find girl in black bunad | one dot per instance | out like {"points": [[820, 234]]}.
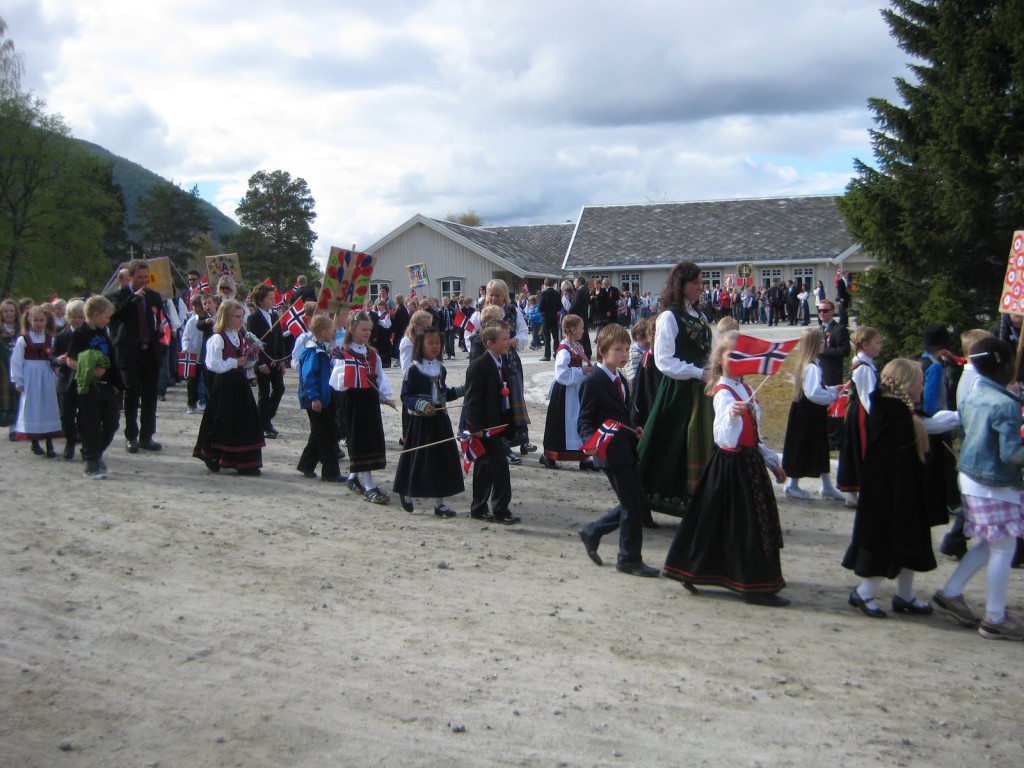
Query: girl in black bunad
{"points": [[731, 536], [231, 433], [864, 375], [435, 471], [561, 435], [359, 374], [805, 449]]}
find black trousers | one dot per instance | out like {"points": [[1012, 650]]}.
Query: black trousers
{"points": [[491, 479], [627, 516], [585, 341], [192, 386], [98, 419], [271, 390], [67, 405], [140, 395], [550, 332], [321, 447]]}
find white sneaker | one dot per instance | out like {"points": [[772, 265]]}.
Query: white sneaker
{"points": [[796, 493], [832, 493], [201, 407], [190, 410], [851, 500]]}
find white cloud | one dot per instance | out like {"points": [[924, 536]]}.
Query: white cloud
{"points": [[521, 111]]}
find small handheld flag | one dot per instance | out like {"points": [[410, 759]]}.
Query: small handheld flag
{"points": [[188, 366], [602, 438], [753, 355], [473, 446], [293, 320]]}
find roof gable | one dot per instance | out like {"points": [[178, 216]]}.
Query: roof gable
{"points": [[783, 228], [537, 249]]}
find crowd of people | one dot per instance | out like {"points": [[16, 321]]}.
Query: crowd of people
{"points": [[654, 404]]}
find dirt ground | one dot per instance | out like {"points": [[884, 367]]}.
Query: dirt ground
{"points": [[168, 617]]}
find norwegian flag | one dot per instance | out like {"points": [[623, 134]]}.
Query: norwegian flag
{"points": [[602, 438], [473, 446], [188, 365], [203, 287], [460, 320], [357, 372], [279, 300], [753, 355], [837, 410], [839, 275], [293, 320]]}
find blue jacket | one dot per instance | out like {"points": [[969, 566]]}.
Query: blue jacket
{"points": [[992, 452], [314, 374]]}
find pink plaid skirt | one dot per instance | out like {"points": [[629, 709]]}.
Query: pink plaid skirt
{"points": [[992, 519]]}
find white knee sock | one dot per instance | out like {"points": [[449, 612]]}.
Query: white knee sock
{"points": [[869, 588], [794, 482], [439, 501], [905, 584], [366, 478], [826, 482], [998, 576]]}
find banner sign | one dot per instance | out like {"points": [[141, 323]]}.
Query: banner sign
{"points": [[224, 265], [346, 279], [1012, 300], [159, 275], [418, 276]]}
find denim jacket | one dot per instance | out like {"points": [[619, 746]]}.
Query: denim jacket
{"points": [[992, 452]]}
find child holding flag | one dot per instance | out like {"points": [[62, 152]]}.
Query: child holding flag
{"points": [[358, 373], [604, 425], [731, 535]]}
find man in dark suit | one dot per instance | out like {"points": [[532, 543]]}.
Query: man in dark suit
{"points": [[263, 324], [837, 349], [137, 328], [304, 291], [792, 300], [776, 302], [485, 406], [581, 308], [604, 395], [549, 307], [843, 298]]}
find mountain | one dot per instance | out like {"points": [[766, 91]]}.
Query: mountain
{"points": [[135, 181]]}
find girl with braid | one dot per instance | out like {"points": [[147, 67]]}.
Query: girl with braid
{"points": [[891, 530]]}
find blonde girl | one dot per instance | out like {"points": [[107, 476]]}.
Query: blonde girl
{"points": [[891, 530], [34, 379], [357, 371], [867, 343], [805, 449], [731, 536]]}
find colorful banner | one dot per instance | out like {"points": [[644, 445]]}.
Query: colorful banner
{"points": [[418, 276], [1012, 300], [346, 279], [224, 264]]}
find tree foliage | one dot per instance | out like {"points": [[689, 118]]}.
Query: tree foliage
{"points": [[939, 207], [468, 218], [170, 221], [59, 207], [276, 239], [11, 64]]}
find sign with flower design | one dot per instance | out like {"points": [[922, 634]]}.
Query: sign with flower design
{"points": [[1012, 300], [346, 280]]}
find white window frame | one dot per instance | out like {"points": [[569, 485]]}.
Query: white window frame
{"points": [[450, 292], [712, 276], [804, 275], [632, 282], [767, 274], [599, 277], [375, 287]]}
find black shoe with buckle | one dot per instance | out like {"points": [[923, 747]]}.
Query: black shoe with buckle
{"points": [[150, 444], [444, 511], [132, 446], [486, 517], [406, 503], [865, 606]]}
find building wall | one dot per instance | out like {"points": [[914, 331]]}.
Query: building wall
{"points": [[444, 259]]}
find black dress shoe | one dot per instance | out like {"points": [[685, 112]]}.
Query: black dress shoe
{"points": [[771, 601], [37, 449], [864, 605], [311, 474], [639, 569], [444, 511], [213, 465], [588, 466], [406, 503], [270, 435], [150, 445], [508, 519], [251, 472], [651, 524], [132, 446], [591, 543], [899, 605], [548, 463], [69, 451], [269, 430], [487, 517], [526, 448]]}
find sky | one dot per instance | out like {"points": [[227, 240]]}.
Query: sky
{"points": [[522, 112]]}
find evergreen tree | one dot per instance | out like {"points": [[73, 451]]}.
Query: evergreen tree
{"points": [[170, 221], [276, 239], [939, 207]]}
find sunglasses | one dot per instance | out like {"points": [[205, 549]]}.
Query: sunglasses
{"points": [[825, 311]]}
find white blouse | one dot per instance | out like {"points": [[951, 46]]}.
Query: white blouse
{"points": [[727, 427], [215, 360], [814, 390], [380, 380]]}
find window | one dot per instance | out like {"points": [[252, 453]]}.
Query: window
{"points": [[712, 277], [375, 291], [598, 278], [451, 287], [804, 275], [769, 274], [630, 282]]}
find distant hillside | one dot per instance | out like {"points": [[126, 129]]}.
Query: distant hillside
{"points": [[135, 181]]}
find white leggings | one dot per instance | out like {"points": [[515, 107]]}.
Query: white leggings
{"points": [[999, 555], [868, 588]]}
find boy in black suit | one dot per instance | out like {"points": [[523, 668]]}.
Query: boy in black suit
{"points": [[263, 324], [604, 396], [487, 406]]}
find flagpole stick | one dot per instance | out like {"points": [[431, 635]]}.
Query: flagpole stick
{"points": [[438, 442]]}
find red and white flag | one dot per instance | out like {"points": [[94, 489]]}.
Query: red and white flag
{"points": [[188, 365], [753, 355], [293, 320], [602, 438], [473, 446]]}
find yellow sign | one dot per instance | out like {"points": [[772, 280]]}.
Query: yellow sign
{"points": [[159, 275]]}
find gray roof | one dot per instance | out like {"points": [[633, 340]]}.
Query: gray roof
{"points": [[537, 249], [778, 228]]}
